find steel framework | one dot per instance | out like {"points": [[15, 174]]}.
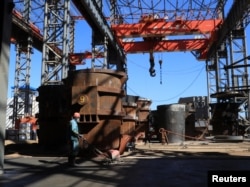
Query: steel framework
{"points": [[214, 31], [227, 65], [22, 93], [56, 41]]}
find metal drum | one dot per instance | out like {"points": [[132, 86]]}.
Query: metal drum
{"points": [[172, 119]]}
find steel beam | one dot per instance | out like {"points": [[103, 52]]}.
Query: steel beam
{"points": [[56, 42], [92, 13], [161, 27], [22, 30], [234, 17], [165, 45]]}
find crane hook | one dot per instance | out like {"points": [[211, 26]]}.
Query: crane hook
{"points": [[152, 64]]}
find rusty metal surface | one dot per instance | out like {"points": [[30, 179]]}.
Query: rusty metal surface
{"points": [[97, 96], [128, 127], [106, 114], [130, 110], [124, 141], [224, 119], [97, 77], [97, 92]]}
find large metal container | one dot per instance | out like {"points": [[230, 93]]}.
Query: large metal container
{"points": [[130, 110], [137, 110], [172, 119], [143, 109], [97, 92], [129, 107], [96, 95]]}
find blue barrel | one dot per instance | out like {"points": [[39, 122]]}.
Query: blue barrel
{"points": [[172, 119]]}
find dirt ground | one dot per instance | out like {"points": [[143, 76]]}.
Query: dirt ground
{"points": [[195, 148], [152, 164]]}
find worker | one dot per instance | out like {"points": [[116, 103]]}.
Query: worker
{"points": [[74, 139]]}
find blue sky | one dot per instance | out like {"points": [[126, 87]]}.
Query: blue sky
{"points": [[182, 74]]}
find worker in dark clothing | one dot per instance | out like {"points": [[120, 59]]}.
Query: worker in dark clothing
{"points": [[74, 138]]}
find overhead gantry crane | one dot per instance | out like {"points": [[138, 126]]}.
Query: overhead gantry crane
{"points": [[154, 31], [218, 39]]}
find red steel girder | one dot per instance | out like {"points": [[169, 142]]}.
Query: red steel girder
{"points": [[161, 27], [78, 58], [165, 45]]}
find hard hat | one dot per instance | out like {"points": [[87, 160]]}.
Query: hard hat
{"points": [[76, 115]]}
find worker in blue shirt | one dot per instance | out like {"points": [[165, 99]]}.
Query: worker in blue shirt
{"points": [[74, 138]]}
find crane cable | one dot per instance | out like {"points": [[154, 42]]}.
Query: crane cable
{"points": [[160, 62]]}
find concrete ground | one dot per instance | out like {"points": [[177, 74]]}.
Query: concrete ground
{"points": [[152, 164]]}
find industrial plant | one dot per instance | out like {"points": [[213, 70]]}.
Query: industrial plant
{"points": [[214, 32]]}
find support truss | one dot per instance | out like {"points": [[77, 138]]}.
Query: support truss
{"points": [[56, 41]]}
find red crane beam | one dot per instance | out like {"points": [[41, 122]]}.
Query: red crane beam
{"points": [[153, 33], [78, 58], [161, 27], [165, 45]]}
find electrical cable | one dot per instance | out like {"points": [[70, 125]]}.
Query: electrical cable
{"points": [[183, 91]]}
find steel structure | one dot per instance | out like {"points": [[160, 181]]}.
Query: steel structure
{"points": [[228, 57], [201, 27], [102, 35], [22, 93], [227, 62], [56, 41], [214, 31], [153, 30]]}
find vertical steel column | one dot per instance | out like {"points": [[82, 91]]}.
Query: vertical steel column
{"points": [[6, 7], [238, 67], [216, 75], [218, 79], [27, 96], [105, 60], [16, 103], [66, 39], [72, 36], [22, 93], [27, 10], [56, 41], [222, 75], [208, 89], [211, 65], [238, 54], [113, 14]]}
